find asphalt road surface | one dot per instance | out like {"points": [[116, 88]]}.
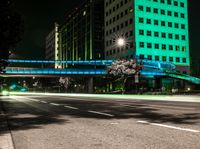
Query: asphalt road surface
{"points": [[56, 122]]}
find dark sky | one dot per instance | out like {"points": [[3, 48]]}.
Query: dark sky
{"points": [[39, 16]]}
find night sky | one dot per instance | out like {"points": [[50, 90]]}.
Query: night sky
{"points": [[40, 15]]}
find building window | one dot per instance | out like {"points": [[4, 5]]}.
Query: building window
{"points": [[169, 24], [148, 9], [141, 32], [183, 48], [170, 36], [183, 37], [141, 20], [148, 21], [156, 46], [141, 44], [140, 7], [169, 13], [162, 1], [177, 48], [162, 23], [163, 46], [182, 15], [182, 4], [162, 12], [170, 47], [177, 59], [169, 2], [155, 22], [141, 56], [157, 58], [156, 34], [126, 23], [163, 35], [175, 3], [122, 14], [131, 21], [182, 26], [149, 45], [149, 57], [164, 58], [177, 36], [131, 33], [171, 59], [184, 60], [148, 33], [176, 14], [176, 25], [155, 10]]}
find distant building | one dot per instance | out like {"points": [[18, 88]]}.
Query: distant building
{"points": [[153, 29], [81, 36], [51, 49]]}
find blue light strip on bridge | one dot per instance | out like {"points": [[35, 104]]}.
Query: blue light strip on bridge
{"points": [[87, 62], [57, 71]]}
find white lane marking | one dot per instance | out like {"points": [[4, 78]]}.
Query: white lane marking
{"points": [[69, 107], [101, 113], [55, 104], [43, 102], [169, 126]]}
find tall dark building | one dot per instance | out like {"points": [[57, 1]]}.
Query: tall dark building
{"points": [[81, 37]]}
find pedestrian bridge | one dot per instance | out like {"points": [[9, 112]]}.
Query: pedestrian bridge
{"points": [[99, 68]]}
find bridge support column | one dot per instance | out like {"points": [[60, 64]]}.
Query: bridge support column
{"points": [[90, 85], [157, 83]]}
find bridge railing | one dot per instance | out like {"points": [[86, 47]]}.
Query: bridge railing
{"points": [[80, 62]]}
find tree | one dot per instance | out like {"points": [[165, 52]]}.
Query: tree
{"points": [[124, 69], [11, 29]]}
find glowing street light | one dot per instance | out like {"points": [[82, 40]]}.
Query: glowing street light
{"points": [[121, 42]]}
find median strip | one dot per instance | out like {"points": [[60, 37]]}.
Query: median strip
{"points": [[169, 126]]}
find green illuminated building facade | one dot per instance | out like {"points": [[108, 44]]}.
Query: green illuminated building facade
{"points": [[81, 36], [153, 29]]}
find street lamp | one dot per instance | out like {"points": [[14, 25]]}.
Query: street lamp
{"points": [[121, 42]]}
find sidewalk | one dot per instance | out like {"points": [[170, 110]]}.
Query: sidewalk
{"points": [[5, 135]]}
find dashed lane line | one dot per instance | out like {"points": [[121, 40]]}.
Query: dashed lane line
{"points": [[43, 102], [54, 104], [169, 126], [70, 107], [101, 113]]}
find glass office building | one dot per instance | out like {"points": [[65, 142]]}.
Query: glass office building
{"points": [[81, 36], [153, 29]]}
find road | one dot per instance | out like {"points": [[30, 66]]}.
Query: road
{"points": [[58, 122]]}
